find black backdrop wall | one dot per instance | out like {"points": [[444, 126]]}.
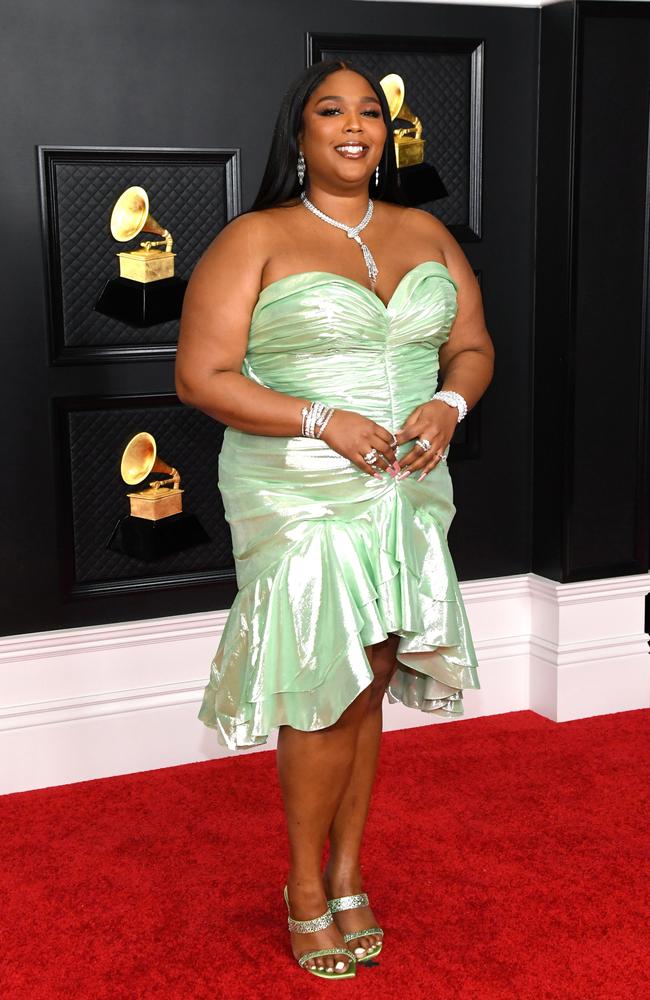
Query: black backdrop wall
{"points": [[210, 75]]}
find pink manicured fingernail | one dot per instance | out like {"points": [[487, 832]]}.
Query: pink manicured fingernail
{"points": [[397, 466], [377, 475], [421, 477], [403, 475]]}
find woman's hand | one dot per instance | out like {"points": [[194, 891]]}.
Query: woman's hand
{"points": [[435, 421], [353, 436]]}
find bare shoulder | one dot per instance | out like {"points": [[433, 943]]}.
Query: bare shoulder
{"points": [[225, 283], [422, 225], [426, 230], [425, 235], [241, 243]]}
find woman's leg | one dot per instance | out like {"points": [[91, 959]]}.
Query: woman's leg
{"points": [[314, 769], [343, 871]]}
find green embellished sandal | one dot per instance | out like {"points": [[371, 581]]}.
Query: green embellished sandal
{"points": [[319, 924], [352, 903]]}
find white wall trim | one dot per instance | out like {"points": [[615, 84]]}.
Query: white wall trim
{"points": [[123, 634], [90, 702], [91, 707]]}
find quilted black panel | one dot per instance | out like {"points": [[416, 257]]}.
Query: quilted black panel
{"points": [[437, 90], [191, 195], [185, 438]]}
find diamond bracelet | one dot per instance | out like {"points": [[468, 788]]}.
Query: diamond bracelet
{"points": [[452, 399], [318, 416]]}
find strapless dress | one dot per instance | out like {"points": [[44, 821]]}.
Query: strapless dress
{"points": [[329, 559]]}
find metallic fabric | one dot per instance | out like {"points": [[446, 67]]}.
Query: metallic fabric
{"points": [[328, 558]]}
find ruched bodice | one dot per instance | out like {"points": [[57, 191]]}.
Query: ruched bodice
{"points": [[329, 559], [325, 336]]}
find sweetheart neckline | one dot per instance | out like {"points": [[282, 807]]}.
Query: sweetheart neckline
{"points": [[342, 277]]}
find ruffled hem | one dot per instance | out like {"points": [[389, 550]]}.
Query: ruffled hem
{"points": [[292, 650]]}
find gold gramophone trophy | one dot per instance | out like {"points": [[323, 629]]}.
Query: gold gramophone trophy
{"points": [[420, 181], [158, 500], [147, 291], [129, 218], [157, 525], [409, 144]]}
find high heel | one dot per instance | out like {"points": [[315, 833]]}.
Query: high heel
{"points": [[319, 924], [352, 903]]}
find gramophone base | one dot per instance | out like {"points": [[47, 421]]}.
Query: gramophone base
{"points": [[421, 183], [142, 303], [150, 540]]}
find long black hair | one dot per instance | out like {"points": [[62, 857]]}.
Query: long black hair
{"points": [[280, 180]]}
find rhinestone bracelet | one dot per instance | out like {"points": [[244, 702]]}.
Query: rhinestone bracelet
{"points": [[315, 416], [326, 419], [452, 399], [318, 418]]}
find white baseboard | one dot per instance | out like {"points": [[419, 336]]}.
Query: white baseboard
{"points": [[85, 703]]}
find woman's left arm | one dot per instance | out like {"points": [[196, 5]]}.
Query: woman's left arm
{"points": [[466, 362], [467, 357]]}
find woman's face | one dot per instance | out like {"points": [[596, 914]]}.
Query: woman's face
{"points": [[343, 111]]}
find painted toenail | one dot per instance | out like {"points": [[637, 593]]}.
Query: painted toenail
{"points": [[340, 965], [359, 951]]}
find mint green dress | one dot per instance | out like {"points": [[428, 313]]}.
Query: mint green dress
{"points": [[328, 558]]}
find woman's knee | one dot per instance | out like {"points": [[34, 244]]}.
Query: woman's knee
{"points": [[383, 663]]}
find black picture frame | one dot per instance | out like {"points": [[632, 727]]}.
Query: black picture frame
{"points": [[89, 434], [457, 67], [78, 186]]}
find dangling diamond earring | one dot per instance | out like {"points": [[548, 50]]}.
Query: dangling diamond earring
{"points": [[301, 167], [377, 176]]}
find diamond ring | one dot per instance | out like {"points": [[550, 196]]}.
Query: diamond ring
{"points": [[424, 443], [371, 456]]}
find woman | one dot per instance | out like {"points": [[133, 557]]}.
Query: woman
{"points": [[321, 354]]}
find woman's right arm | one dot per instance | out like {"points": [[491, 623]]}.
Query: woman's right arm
{"points": [[217, 308]]}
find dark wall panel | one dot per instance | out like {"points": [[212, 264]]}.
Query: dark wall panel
{"points": [[210, 75], [552, 287], [591, 361], [608, 476]]}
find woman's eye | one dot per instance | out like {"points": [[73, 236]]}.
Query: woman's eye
{"points": [[333, 110]]}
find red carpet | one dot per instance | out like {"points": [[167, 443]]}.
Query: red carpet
{"points": [[505, 857]]}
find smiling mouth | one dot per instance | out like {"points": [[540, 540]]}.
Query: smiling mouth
{"points": [[352, 150]]}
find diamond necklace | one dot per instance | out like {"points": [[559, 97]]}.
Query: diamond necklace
{"points": [[352, 231]]}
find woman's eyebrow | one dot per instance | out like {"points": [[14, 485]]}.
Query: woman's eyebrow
{"points": [[337, 97]]}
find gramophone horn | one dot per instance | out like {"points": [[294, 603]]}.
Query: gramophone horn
{"points": [[131, 216], [393, 87], [139, 459]]}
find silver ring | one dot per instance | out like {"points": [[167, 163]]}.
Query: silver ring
{"points": [[371, 456], [424, 443], [440, 455], [393, 443]]}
